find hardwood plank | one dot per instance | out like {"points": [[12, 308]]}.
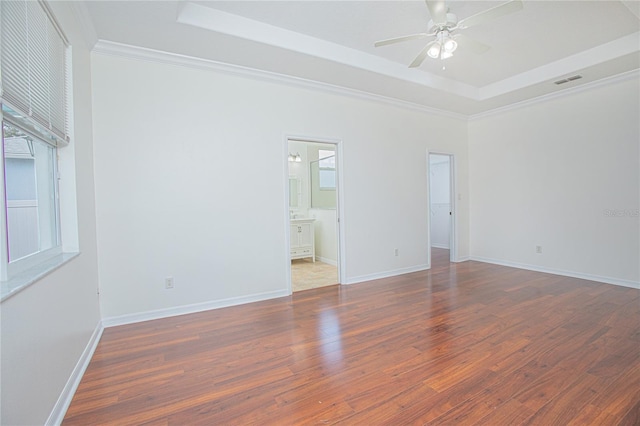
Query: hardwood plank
{"points": [[465, 343], [424, 409], [592, 415], [623, 394], [511, 412], [632, 418], [481, 358]]}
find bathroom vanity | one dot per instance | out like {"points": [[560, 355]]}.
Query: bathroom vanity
{"points": [[302, 239]]}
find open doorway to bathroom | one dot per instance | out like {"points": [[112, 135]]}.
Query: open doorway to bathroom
{"points": [[313, 214], [441, 208]]}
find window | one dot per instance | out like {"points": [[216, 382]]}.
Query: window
{"points": [[30, 192], [34, 59], [327, 169]]}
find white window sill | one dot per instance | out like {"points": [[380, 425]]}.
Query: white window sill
{"points": [[24, 279]]}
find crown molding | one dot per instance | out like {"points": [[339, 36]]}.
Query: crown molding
{"points": [[151, 55], [628, 75], [141, 53]]}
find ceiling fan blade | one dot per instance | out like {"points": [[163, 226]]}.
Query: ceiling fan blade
{"points": [[399, 39], [421, 56], [437, 10], [490, 14], [471, 44]]}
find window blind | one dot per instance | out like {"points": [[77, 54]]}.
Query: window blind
{"points": [[34, 67]]}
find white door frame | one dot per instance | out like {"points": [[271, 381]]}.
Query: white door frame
{"points": [[340, 225], [453, 237]]}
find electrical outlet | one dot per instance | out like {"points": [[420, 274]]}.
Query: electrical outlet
{"points": [[539, 249], [395, 252], [168, 282]]}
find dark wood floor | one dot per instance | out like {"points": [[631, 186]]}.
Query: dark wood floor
{"points": [[467, 343]]}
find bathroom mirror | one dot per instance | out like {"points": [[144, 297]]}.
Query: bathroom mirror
{"points": [[294, 188]]}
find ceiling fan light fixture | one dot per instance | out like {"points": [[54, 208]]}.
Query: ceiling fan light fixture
{"points": [[450, 46], [434, 50], [443, 23]]}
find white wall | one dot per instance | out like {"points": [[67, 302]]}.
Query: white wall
{"points": [[47, 326], [170, 199], [547, 174], [301, 171], [326, 234]]}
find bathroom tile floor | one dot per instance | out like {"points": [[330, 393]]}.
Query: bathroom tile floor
{"points": [[305, 274]]}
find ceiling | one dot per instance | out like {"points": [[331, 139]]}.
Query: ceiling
{"points": [[331, 42]]}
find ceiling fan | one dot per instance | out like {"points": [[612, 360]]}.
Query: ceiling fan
{"points": [[444, 24]]}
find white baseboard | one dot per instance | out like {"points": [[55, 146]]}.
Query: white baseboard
{"points": [[440, 246], [190, 309], [64, 400], [386, 274], [598, 278], [328, 261]]}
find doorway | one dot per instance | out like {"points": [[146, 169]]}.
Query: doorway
{"points": [[313, 213], [441, 208]]}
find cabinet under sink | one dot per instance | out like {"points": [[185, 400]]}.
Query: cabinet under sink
{"points": [[302, 239]]}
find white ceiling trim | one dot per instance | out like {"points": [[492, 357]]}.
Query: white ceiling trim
{"points": [[238, 26], [633, 74], [140, 53], [249, 29], [633, 6], [564, 67]]}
